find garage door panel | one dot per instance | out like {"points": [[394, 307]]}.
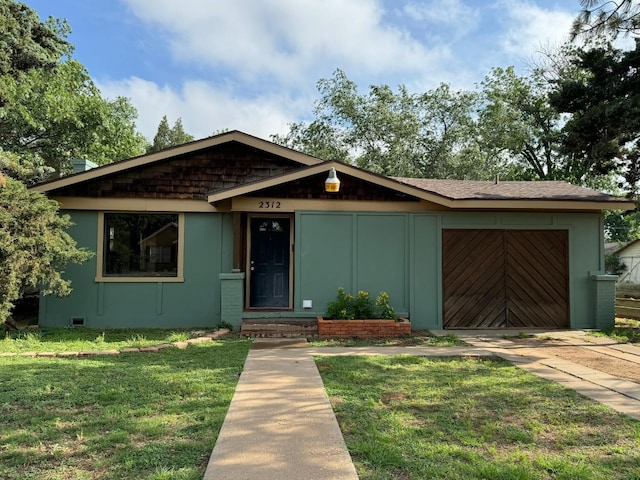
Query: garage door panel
{"points": [[505, 278], [545, 284], [473, 279], [486, 301], [478, 276], [537, 278], [528, 252], [527, 308], [538, 252], [465, 263]]}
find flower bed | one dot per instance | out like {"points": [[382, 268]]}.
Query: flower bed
{"points": [[363, 328]]}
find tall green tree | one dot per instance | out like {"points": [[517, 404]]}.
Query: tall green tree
{"points": [[394, 133], [34, 244], [602, 103], [167, 137], [26, 43], [515, 121], [59, 115], [50, 112]]}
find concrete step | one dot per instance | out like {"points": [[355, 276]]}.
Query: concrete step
{"points": [[279, 328]]}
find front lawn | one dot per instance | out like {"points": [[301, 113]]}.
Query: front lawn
{"points": [[626, 330], [415, 418], [128, 416], [84, 339]]}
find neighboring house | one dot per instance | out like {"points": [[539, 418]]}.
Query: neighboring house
{"points": [[610, 248], [233, 227], [629, 254]]}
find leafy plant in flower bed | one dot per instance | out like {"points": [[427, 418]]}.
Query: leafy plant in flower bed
{"points": [[360, 307]]}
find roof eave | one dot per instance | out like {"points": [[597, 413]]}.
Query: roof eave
{"points": [[243, 138], [326, 166], [543, 204]]}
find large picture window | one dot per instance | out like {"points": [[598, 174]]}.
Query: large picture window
{"points": [[140, 245]]}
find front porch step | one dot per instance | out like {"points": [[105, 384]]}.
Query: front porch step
{"points": [[279, 328]]}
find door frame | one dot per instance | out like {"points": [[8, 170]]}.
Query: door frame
{"points": [[247, 289]]}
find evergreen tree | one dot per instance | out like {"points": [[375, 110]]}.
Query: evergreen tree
{"points": [[34, 244], [167, 137], [607, 17]]}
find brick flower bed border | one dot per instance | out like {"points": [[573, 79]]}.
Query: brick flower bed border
{"points": [[156, 348], [363, 328]]}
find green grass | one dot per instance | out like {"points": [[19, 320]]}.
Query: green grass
{"points": [[129, 416], [417, 338], [81, 339], [415, 418], [626, 330]]}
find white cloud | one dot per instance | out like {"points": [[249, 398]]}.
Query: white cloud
{"points": [[203, 108], [253, 65], [531, 27], [288, 41], [454, 14]]}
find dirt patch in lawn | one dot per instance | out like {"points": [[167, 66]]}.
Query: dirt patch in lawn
{"points": [[580, 355]]}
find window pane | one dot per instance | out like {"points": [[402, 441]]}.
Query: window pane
{"points": [[140, 245]]}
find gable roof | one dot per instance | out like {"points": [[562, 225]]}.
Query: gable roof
{"points": [[191, 147], [625, 246], [457, 194], [454, 194]]}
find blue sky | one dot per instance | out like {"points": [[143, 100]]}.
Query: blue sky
{"points": [[253, 65]]}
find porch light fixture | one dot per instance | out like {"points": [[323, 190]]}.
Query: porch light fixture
{"points": [[332, 184]]}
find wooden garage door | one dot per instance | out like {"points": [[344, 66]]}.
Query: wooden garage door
{"points": [[505, 279]]}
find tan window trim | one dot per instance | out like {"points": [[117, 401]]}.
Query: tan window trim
{"points": [[100, 278]]}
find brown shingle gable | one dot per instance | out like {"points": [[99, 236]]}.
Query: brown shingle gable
{"points": [[509, 190]]}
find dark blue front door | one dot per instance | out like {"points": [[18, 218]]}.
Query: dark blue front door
{"points": [[269, 262]]}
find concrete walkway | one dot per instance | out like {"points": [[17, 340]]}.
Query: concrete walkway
{"points": [[280, 424]]}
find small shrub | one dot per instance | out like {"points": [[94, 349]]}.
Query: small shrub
{"points": [[348, 307], [341, 307], [226, 325], [362, 306], [386, 311]]}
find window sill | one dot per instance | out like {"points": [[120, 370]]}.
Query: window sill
{"points": [[139, 279]]}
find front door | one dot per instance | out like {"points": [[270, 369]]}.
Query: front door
{"points": [[269, 262]]}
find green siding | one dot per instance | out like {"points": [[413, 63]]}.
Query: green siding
{"points": [[396, 252], [382, 257], [585, 256], [357, 251], [192, 303], [425, 273], [323, 258], [401, 253]]}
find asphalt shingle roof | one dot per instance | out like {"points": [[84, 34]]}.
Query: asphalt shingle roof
{"points": [[509, 190]]}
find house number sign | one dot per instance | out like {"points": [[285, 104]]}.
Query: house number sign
{"points": [[257, 204], [268, 204]]}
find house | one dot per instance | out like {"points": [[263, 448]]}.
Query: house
{"points": [[629, 254], [233, 228]]}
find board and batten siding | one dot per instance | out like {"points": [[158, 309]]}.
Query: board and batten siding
{"points": [[398, 252], [195, 302], [353, 250], [401, 253]]}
